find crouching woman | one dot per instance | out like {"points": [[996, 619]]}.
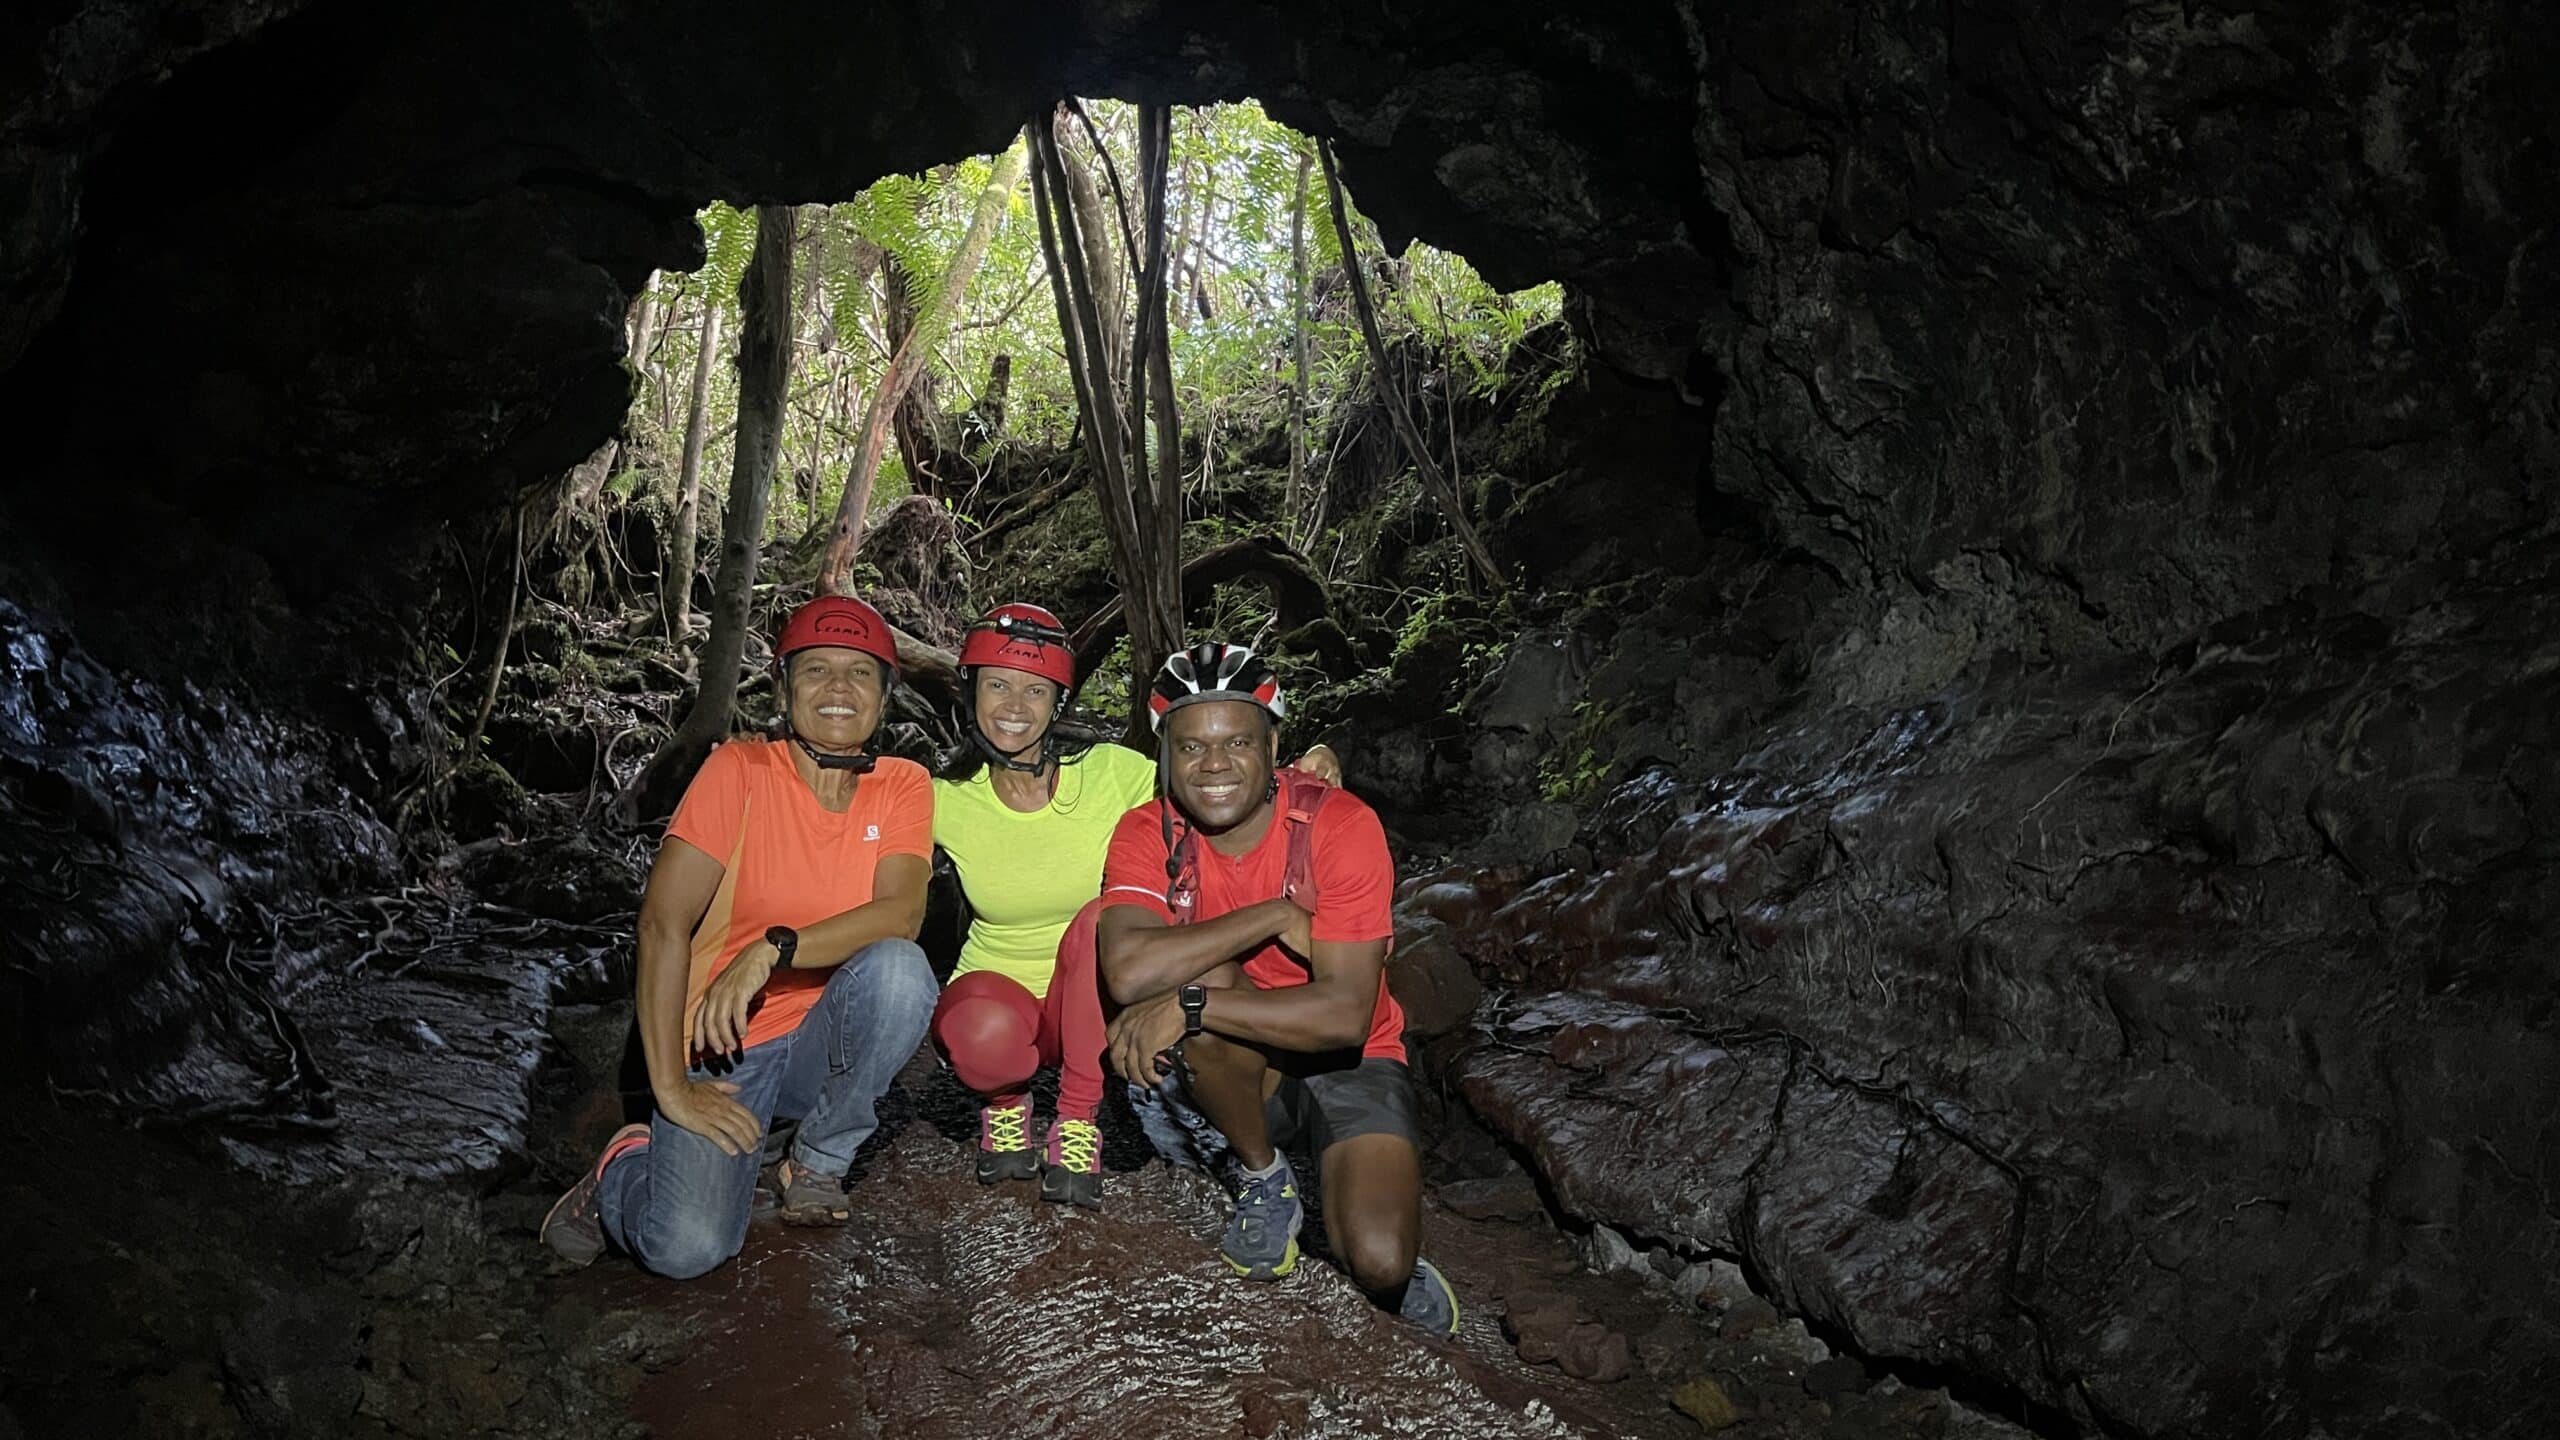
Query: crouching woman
{"points": [[779, 974]]}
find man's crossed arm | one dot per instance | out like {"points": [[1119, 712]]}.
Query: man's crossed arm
{"points": [[1145, 962]]}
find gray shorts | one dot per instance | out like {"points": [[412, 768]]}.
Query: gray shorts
{"points": [[1318, 1110]]}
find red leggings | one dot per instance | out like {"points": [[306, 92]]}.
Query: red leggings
{"points": [[995, 1035]]}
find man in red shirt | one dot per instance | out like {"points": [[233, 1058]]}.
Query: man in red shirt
{"points": [[1245, 931]]}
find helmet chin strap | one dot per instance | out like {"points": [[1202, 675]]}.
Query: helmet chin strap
{"points": [[859, 762], [998, 757], [978, 733]]}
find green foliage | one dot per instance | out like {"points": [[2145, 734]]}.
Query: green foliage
{"points": [[1574, 771], [1236, 184], [729, 241], [1106, 691]]}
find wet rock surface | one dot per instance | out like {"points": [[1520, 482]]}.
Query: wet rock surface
{"points": [[961, 1310], [1982, 1030], [413, 1300], [148, 834]]}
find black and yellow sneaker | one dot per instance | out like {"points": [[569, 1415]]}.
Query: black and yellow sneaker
{"points": [[1004, 1144], [1071, 1168], [1429, 1304], [1262, 1236]]}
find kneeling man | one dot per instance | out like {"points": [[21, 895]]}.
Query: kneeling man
{"points": [[1245, 928]]}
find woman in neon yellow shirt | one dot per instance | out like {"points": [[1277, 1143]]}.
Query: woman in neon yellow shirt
{"points": [[1026, 815]]}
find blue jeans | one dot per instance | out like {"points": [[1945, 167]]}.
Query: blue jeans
{"points": [[680, 1206]]}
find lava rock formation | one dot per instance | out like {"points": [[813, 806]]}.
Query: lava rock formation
{"points": [[2074, 588]]}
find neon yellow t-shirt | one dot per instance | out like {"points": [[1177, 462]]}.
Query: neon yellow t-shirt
{"points": [[1027, 874]]}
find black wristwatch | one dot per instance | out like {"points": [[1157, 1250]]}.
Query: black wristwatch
{"points": [[1195, 999], [784, 940]]}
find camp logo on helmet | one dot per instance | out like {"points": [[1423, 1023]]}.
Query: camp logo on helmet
{"points": [[840, 622]]}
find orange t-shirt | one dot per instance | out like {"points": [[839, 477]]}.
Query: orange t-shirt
{"points": [[1355, 891], [788, 860]]}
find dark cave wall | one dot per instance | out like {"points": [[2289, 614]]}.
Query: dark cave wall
{"points": [[2175, 319], [2078, 611]]}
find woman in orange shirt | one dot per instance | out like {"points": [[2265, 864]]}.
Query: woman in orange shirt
{"points": [[779, 973]]}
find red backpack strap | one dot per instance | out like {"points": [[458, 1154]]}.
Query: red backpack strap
{"points": [[1302, 796], [1182, 874]]}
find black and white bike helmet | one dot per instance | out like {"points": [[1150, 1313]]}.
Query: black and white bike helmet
{"points": [[1214, 671]]}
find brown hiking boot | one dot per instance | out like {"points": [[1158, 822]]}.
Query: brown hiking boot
{"points": [[809, 1198]]}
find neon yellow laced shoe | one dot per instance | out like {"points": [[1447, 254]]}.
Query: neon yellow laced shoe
{"points": [[1004, 1144], [1071, 1172]]}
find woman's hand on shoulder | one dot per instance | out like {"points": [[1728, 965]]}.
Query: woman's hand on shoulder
{"points": [[1322, 763]]}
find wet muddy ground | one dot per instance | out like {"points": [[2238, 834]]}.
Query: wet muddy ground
{"points": [[175, 1291], [367, 1266], [951, 1309]]}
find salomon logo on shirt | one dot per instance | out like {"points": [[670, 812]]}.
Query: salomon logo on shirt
{"points": [[870, 832]]}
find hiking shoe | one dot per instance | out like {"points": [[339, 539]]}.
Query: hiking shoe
{"points": [[1262, 1237], [809, 1198], [1004, 1144], [1071, 1168], [1429, 1304], [575, 1227]]}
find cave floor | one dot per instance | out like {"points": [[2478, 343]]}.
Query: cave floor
{"points": [[183, 1295], [947, 1308]]}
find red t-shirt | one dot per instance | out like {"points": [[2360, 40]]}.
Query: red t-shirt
{"points": [[788, 860], [1355, 891]]}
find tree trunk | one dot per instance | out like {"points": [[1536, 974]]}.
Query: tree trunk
{"points": [[923, 433], [498, 647], [992, 400], [813, 309], [764, 373], [905, 362], [1095, 225], [675, 572], [1155, 298], [1188, 277], [1297, 492], [1141, 513], [1391, 394], [644, 325]]}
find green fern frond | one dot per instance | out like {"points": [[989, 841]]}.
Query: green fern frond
{"points": [[728, 241]]}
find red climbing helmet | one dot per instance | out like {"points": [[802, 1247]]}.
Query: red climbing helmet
{"points": [[839, 620], [1021, 637], [1213, 671]]}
